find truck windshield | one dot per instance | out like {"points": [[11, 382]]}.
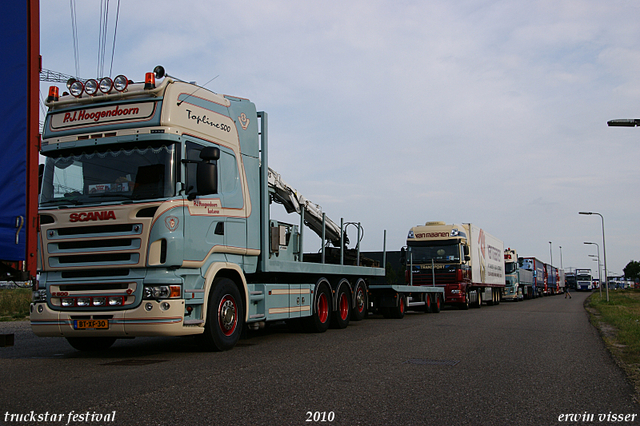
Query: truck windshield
{"points": [[509, 267], [137, 172], [437, 253]]}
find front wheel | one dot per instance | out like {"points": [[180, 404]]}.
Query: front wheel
{"points": [[225, 316], [91, 344]]}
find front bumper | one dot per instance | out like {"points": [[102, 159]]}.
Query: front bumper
{"points": [[135, 322]]}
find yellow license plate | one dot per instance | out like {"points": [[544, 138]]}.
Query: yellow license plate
{"points": [[93, 324]]}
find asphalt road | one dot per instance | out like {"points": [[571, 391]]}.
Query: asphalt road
{"points": [[526, 363]]}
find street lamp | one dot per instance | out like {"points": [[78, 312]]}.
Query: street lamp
{"points": [[604, 248], [561, 267], [599, 275], [624, 122]]}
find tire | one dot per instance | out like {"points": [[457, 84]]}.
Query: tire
{"points": [[437, 303], [465, 305], [428, 303], [320, 318], [398, 311], [478, 303], [361, 299], [225, 316], [340, 317], [91, 344]]}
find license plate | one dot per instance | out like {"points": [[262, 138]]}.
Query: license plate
{"points": [[93, 324]]}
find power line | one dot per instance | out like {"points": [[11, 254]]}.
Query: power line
{"points": [[74, 33]]}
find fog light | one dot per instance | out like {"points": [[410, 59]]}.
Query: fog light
{"points": [[115, 301], [84, 301], [40, 309], [99, 301], [67, 303], [165, 306], [148, 306]]}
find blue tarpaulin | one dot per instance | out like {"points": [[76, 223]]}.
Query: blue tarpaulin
{"points": [[13, 127]]}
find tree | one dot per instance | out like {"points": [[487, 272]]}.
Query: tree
{"points": [[632, 270]]}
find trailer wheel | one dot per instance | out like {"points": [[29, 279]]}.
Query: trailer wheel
{"points": [[91, 344], [478, 303], [359, 311], [398, 311], [320, 318], [436, 304], [225, 316], [427, 303], [343, 312]]}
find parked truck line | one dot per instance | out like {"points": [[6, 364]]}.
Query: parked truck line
{"points": [[155, 220]]}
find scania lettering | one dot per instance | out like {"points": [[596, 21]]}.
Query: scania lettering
{"points": [[155, 216]]}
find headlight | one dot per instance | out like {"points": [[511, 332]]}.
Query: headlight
{"points": [[39, 296], [162, 292]]}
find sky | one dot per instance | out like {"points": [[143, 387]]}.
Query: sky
{"points": [[396, 113]]}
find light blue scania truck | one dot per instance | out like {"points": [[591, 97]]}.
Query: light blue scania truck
{"points": [[155, 221]]}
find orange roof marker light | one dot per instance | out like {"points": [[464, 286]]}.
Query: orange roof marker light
{"points": [[149, 81], [53, 93]]}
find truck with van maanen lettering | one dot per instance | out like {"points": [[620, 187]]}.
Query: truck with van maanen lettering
{"points": [[155, 221], [461, 258]]}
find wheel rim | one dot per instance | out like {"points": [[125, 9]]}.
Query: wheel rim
{"points": [[323, 308], [360, 300], [402, 305], [428, 301], [227, 315], [438, 302], [344, 306]]}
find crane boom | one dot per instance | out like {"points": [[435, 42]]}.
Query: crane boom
{"points": [[292, 201]]}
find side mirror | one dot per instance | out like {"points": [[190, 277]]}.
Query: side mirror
{"points": [[207, 172]]}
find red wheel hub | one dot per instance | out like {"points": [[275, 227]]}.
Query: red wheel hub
{"points": [[227, 315], [323, 308], [343, 306]]}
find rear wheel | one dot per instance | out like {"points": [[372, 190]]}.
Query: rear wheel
{"points": [[428, 303], [319, 320], [437, 303], [225, 316], [398, 311], [91, 344], [342, 313], [359, 311]]}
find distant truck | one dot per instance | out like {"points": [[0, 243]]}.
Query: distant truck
{"points": [[584, 280], [519, 281], [462, 258], [538, 268], [156, 221]]}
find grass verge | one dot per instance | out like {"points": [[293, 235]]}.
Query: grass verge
{"points": [[619, 323], [14, 304]]}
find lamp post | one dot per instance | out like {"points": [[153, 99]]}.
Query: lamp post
{"points": [[604, 246], [561, 267], [599, 275]]}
